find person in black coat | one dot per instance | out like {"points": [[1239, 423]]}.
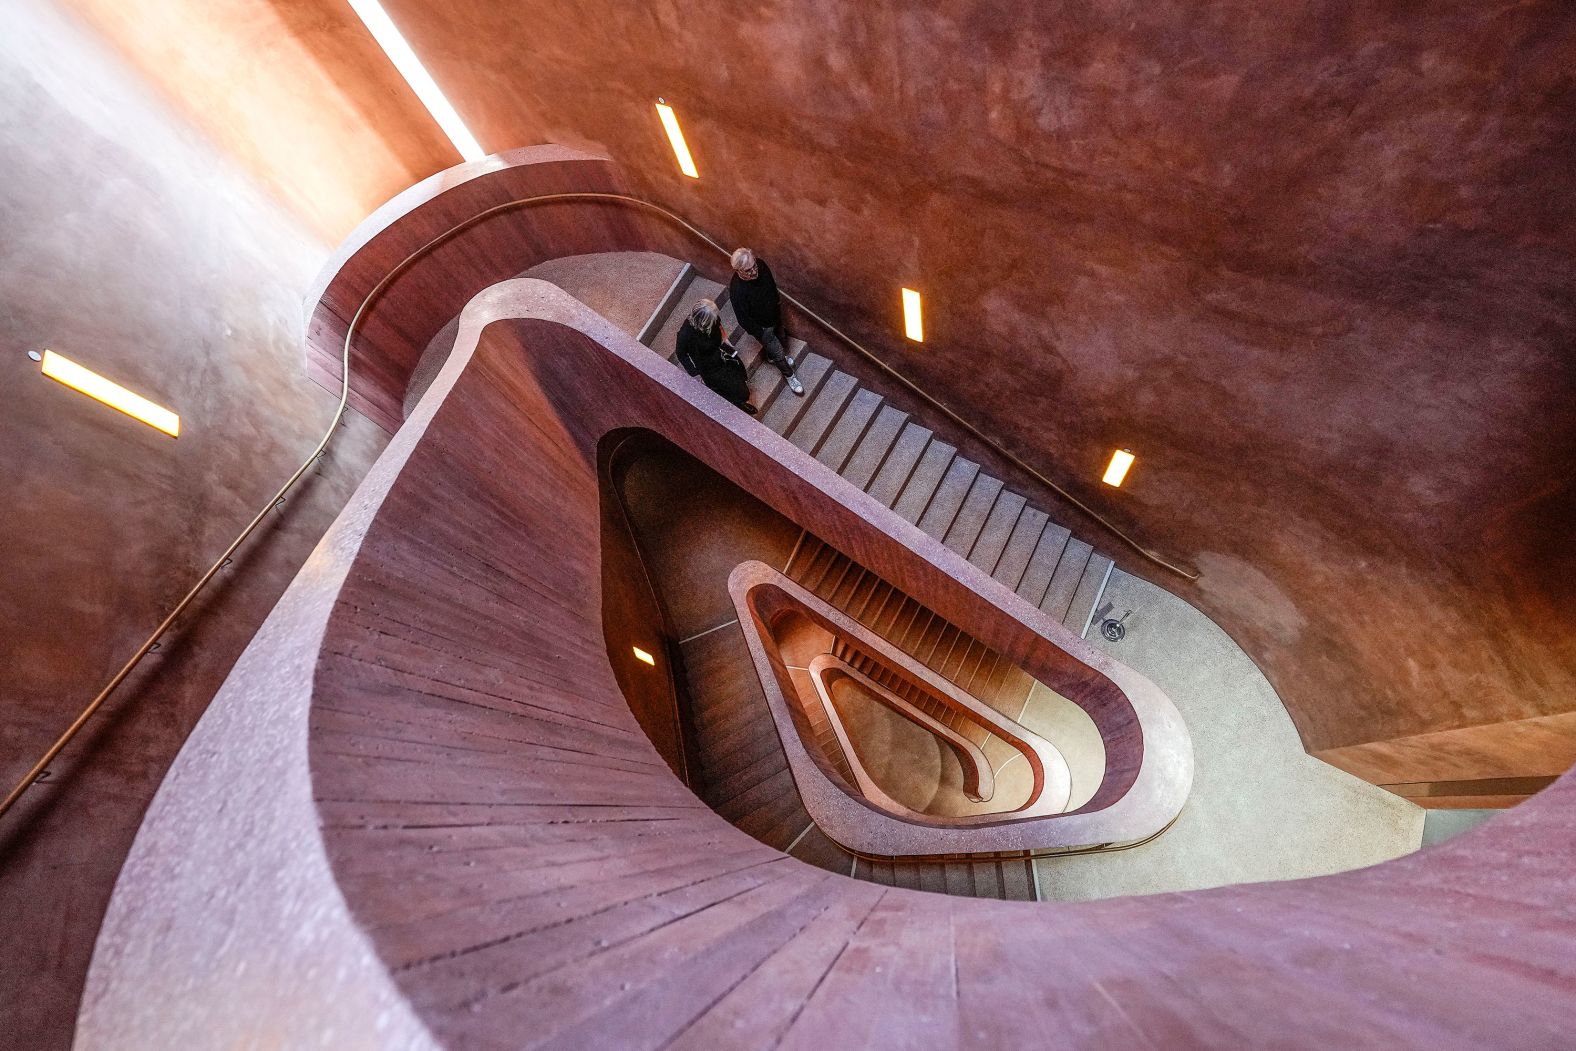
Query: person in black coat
{"points": [[753, 292], [704, 353]]}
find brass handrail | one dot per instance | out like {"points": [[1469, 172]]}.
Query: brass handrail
{"points": [[152, 640]]}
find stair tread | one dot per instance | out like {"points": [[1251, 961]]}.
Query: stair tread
{"points": [[976, 508], [922, 484], [786, 409], [958, 877], [987, 879], [1090, 587], [822, 412], [1042, 564], [664, 310], [850, 428], [750, 352], [997, 531], [874, 447], [1020, 547], [1064, 582], [1017, 881], [900, 462], [955, 486], [764, 385]]}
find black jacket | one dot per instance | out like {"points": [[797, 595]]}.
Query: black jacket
{"points": [[701, 355], [756, 303]]}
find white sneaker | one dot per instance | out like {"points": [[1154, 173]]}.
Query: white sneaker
{"points": [[795, 386]]}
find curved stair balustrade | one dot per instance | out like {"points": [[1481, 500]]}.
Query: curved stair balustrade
{"points": [[1145, 805], [529, 872], [979, 780]]}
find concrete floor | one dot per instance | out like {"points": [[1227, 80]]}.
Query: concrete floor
{"points": [[1261, 807]]}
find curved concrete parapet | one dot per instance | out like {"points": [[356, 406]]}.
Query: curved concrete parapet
{"points": [[227, 927], [826, 670], [762, 596]]}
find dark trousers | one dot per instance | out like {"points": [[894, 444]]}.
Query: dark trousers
{"points": [[774, 347]]}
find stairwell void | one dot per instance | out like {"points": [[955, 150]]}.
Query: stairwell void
{"points": [[899, 709]]}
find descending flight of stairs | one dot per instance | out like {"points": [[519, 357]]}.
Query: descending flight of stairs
{"points": [[913, 628], [899, 462], [744, 774]]}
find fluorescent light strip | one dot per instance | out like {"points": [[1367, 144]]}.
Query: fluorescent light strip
{"points": [[1121, 460], [64, 370], [913, 324], [399, 52], [670, 124]]}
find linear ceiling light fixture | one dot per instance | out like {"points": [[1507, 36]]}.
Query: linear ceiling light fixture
{"points": [[670, 124], [64, 370], [1116, 470], [913, 323], [399, 52]]}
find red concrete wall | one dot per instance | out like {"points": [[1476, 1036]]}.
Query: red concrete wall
{"points": [[299, 95], [133, 246]]}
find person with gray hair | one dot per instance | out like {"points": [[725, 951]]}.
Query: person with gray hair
{"points": [[703, 352], [756, 302]]}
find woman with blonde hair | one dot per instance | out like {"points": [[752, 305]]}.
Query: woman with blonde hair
{"points": [[704, 352]]}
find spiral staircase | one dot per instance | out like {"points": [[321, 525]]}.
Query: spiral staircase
{"points": [[443, 802]]}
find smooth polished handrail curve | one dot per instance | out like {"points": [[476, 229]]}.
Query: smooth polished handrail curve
{"points": [[54, 750]]}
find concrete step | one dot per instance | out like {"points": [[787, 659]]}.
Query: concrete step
{"points": [[850, 428], [1064, 582], [1020, 547], [900, 462], [764, 385], [871, 452], [1017, 880], [786, 409], [922, 484], [955, 486], [750, 353], [987, 879], [1087, 596], [1000, 880], [1042, 564], [846, 593], [666, 306], [966, 528], [815, 847], [822, 414], [997, 531]]}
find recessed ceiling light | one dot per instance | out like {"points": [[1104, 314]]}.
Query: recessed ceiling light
{"points": [[670, 124], [913, 322], [394, 45], [1116, 470], [64, 370], [642, 655]]}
